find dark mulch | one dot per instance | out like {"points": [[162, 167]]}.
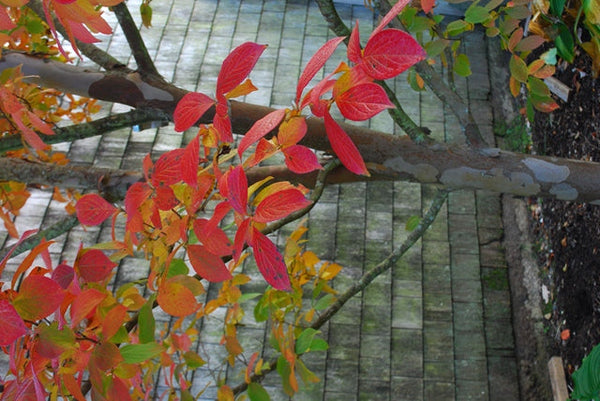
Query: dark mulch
{"points": [[569, 233]]}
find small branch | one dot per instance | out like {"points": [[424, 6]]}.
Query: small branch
{"points": [[49, 233], [365, 280], [337, 26], [92, 128], [136, 43], [97, 55]]}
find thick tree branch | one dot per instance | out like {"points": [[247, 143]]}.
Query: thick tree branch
{"points": [[93, 128], [136, 43]]}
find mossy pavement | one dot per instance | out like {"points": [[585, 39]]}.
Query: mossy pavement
{"points": [[435, 327]]}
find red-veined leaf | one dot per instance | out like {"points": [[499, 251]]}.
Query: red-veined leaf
{"points": [[190, 108], [222, 123], [13, 326], [237, 66], [316, 62], [190, 161], [63, 275], [260, 128], [94, 266], [427, 5], [208, 265], [363, 101], [301, 159], [92, 210], [269, 261], [390, 52], [85, 304], [395, 10], [38, 297], [242, 237], [165, 198], [343, 147], [354, 49], [167, 169], [280, 204], [175, 299], [237, 189], [214, 238]]}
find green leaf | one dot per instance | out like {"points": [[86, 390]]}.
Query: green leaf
{"points": [[256, 392], [564, 43], [518, 69], [146, 322], [517, 12], [193, 360], [177, 268], [457, 27], [462, 66], [587, 377], [284, 370], [304, 340], [477, 14], [538, 87], [248, 296], [138, 353], [557, 7], [324, 302], [121, 336], [318, 344], [435, 47], [412, 223]]}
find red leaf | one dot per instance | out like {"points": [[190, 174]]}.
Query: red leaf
{"points": [[85, 304], [94, 266], [92, 209], [167, 169], [165, 198], [237, 190], [190, 161], [175, 299], [261, 128], [5, 22], [38, 297], [136, 195], [208, 265], [316, 62], [264, 150], [214, 239], [190, 108], [241, 238], [222, 123], [390, 15], [354, 49], [280, 204], [237, 66], [427, 5], [343, 147], [269, 261], [13, 326], [363, 101], [390, 52], [63, 275], [301, 159]]}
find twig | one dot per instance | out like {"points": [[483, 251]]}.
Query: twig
{"points": [[92, 128], [136, 43], [436, 205]]}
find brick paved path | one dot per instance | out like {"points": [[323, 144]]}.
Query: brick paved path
{"points": [[436, 327]]}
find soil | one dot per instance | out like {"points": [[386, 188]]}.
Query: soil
{"points": [[568, 234]]}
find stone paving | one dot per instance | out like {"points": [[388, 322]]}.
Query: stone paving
{"points": [[435, 327]]}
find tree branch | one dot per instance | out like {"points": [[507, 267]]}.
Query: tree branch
{"points": [[366, 279], [92, 128], [136, 43]]}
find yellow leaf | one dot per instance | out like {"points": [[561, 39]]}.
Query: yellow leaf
{"points": [[242, 89], [225, 394]]}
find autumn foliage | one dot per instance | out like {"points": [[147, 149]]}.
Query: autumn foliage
{"points": [[68, 332]]}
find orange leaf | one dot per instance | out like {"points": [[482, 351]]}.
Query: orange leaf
{"points": [[242, 89], [427, 5], [113, 320], [175, 299], [291, 131], [85, 304], [38, 297]]}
